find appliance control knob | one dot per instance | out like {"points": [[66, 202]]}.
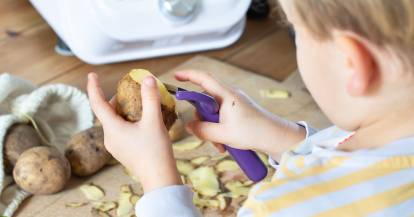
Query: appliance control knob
{"points": [[178, 11]]}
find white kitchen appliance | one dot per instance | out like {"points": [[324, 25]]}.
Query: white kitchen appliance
{"points": [[107, 31]]}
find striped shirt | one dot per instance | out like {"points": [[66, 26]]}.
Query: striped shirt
{"points": [[316, 179]]}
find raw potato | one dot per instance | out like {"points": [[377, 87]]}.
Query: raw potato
{"points": [[19, 138], [92, 192], [86, 152], [128, 98], [42, 170]]}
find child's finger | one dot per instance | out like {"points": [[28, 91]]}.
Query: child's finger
{"points": [[206, 131], [102, 109], [219, 147], [112, 102], [197, 116], [206, 81], [151, 102]]}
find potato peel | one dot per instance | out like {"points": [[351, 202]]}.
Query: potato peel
{"points": [[222, 202], [237, 188], [99, 213], [205, 181], [227, 165], [264, 158], [134, 199], [187, 144], [138, 76], [202, 202], [75, 204], [248, 183], [125, 207], [199, 160], [128, 173], [219, 157], [274, 94], [184, 167], [92, 192], [104, 206]]}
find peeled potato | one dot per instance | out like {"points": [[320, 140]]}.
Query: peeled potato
{"points": [[42, 170], [128, 98]]}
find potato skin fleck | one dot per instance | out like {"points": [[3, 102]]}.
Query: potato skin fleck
{"points": [[86, 152], [128, 98], [42, 170], [129, 104], [19, 138]]}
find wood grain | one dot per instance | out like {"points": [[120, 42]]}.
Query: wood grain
{"points": [[16, 16], [31, 55], [273, 56]]}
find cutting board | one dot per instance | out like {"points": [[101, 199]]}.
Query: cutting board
{"points": [[299, 106]]}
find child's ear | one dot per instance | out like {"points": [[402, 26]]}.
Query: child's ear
{"points": [[360, 64]]}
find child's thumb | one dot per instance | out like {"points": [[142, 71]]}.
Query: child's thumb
{"points": [[212, 132], [151, 102]]}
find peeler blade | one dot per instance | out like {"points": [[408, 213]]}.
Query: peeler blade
{"points": [[172, 89]]}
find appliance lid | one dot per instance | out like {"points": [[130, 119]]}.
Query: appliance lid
{"points": [[132, 20]]}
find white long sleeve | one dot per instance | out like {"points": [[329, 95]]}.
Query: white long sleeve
{"points": [[170, 201]]}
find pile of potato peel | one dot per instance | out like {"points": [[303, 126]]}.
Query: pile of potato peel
{"points": [[218, 183]]}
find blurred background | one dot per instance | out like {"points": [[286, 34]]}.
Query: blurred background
{"points": [[49, 41]]}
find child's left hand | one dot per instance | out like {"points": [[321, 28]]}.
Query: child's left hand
{"points": [[142, 147]]}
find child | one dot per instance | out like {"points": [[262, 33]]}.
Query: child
{"points": [[356, 58]]}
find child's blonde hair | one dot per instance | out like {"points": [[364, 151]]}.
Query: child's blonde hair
{"points": [[387, 23]]}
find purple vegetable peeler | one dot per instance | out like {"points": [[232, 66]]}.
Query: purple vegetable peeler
{"points": [[208, 109]]}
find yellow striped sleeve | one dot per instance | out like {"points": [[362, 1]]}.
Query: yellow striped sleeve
{"points": [[376, 170], [374, 203]]}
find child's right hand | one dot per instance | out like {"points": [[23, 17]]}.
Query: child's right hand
{"points": [[243, 124]]}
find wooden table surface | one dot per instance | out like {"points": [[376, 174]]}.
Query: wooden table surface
{"points": [[300, 106], [27, 50]]}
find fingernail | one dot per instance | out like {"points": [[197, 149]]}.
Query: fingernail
{"points": [[149, 81], [91, 75]]}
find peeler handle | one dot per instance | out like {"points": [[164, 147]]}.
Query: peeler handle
{"points": [[208, 109]]}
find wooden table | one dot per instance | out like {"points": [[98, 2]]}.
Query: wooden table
{"points": [[27, 50], [299, 106]]}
